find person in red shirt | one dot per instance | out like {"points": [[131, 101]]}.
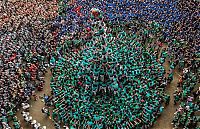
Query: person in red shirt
{"points": [[13, 57], [78, 10]]}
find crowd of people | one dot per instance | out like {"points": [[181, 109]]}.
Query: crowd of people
{"points": [[14, 14], [106, 81], [88, 45], [100, 70], [23, 65], [75, 16], [178, 32], [28, 118], [24, 41], [184, 53]]}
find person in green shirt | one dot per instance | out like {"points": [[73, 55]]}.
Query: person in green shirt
{"points": [[170, 77], [167, 99]]}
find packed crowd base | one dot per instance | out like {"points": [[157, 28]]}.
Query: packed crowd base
{"points": [[18, 13], [105, 74], [24, 42], [23, 65], [110, 82]]}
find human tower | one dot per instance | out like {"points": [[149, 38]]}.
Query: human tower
{"points": [[110, 82]]}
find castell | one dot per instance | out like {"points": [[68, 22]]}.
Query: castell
{"points": [[99, 64]]}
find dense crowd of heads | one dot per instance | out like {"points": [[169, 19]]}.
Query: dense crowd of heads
{"points": [[103, 55], [107, 81], [117, 11], [14, 14], [23, 64], [24, 41]]}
